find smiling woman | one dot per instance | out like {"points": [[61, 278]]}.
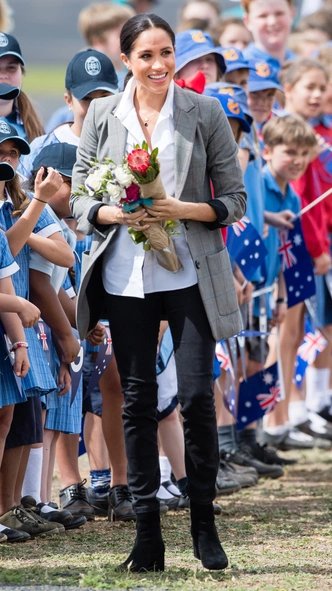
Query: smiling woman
{"points": [[124, 283]]}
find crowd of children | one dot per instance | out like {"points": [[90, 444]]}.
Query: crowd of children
{"points": [[276, 94]]}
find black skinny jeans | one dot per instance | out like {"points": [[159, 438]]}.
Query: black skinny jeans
{"points": [[134, 324]]}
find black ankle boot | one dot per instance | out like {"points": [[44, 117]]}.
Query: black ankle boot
{"points": [[149, 549], [206, 543]]}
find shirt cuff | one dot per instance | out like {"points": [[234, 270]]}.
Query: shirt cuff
{"points": [[92, 217], [221, 213]]}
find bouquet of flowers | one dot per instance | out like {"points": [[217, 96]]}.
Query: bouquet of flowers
{"points": [[135, 182]]}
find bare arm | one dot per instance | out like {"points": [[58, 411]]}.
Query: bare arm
{"points": [[54, 248]]}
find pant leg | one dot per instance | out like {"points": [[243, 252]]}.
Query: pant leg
{"points": [[194, 349], [134, 326]]}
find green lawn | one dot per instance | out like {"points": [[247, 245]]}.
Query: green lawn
{"points": [[44, 80], [277, 537]]}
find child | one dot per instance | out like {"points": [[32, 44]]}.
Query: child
{"points": [[270, 41], [231, 32], [81, 89], [195, 52], [237, 67]]}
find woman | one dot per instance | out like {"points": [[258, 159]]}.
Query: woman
{"points": [[199, 302]]}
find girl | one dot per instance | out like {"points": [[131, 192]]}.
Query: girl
{"points": [[195, 52], [305, 84], [27, 226]]}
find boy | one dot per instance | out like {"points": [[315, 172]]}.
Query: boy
{"points": [[237, 67], [270, 23]]}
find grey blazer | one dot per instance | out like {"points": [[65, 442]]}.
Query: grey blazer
{"points": [[204, 150]]}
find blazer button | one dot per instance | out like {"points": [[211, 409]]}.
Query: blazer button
{"points": [[186, 225], [197, 264]]}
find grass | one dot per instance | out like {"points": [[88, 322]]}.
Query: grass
{"points": [[44, 80], [277, 537]]}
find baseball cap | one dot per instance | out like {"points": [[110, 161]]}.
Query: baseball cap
{"points": [[8, 92], [7, 172], [232, 109], [263, 77], [9, 46], [192, 44], [88, 71], [9, 132], [61, 156], [235, 60], [233, 90]]}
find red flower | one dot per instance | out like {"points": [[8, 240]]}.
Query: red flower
{"points": [[139, 160], [132, 193]]}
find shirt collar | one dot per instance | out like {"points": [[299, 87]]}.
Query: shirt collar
{"points": [[126, 104], [272, 184]]}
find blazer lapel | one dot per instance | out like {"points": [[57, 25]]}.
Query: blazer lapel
{"points": [[117, 137], [185, 120]]}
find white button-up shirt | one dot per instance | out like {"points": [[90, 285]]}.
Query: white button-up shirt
{"points": [[128, 269]]}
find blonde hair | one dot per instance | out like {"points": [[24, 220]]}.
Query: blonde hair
{"points": [[95, 20], [6, 21], [291, 129], [18, 196], [293, 70], [325, 57], [31, 122]]}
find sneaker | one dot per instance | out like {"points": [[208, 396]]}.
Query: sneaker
{"points": [[13, 535], [74, 498], [226, 484], [26, 520], [242, 456], [267, 455], [99, 501], [46, 512], [120, 504], [244, 478], [184, 505]]}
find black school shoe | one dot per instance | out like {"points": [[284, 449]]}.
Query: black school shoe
{"points": [[242, 456], [120, 504], [13, 536], [99, 501], [74, 498], [267, 455], [64, 517]]}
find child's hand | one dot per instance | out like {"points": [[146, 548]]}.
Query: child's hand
{"points": [[29, 314], [279, 314], [70, 348], [64, 379], [247, 289], [45, 189], [22, 364], [281, 219], [97, 335], [322, 264]]}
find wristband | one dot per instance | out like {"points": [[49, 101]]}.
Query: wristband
{"points": [[41, 201], [281, 301], [17, 345]]}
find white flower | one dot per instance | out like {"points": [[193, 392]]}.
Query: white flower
{"points": [[93, 184], [123, 176], [102, 172], [115, 192]]}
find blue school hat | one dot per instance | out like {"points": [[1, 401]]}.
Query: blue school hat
{"points": [[263, 78], [192, 44], [233, 90], [88, 71], [8, 92], [9, 132], [232, 109], [235, 60], [10, 46], [61, 156]]}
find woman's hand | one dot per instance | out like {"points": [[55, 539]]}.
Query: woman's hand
{"points": [[115, 215], [29, 314], [168, 209], [22, 364], [45, 189]]}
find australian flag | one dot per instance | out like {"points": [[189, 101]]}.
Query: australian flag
{"points": [[246, 247], [296, 265], [258, 396], [223, 361], [312, 344]]}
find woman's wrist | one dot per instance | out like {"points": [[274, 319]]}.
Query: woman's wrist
{"points": [[200, 212], [108, 215]]}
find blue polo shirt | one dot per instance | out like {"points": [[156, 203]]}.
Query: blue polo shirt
{"points": [[252, 52], [275, 201]]}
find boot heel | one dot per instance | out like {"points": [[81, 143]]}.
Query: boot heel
{"points": [[196, 551]]}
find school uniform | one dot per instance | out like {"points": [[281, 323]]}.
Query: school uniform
{"points": [[254, 53]]}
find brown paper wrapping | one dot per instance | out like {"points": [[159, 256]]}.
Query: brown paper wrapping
{"points": [[158, 238]]}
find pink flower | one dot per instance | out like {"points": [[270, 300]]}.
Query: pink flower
{"points": [[132, 193], [139, 160]]}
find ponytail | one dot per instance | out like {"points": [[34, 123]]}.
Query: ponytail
{"points": [[31, 122], [19, 198]]}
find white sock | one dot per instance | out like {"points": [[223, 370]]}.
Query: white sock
{"points": [[32, 479], [2, 527], [317, 388], [165, 469], [279, 430], [297, 412], [163, 494], [46, 509]]}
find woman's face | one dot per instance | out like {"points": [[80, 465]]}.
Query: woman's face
{"points": [[9, 153], [10, 71], [307, 97], [206, 64], [152, 60]]}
